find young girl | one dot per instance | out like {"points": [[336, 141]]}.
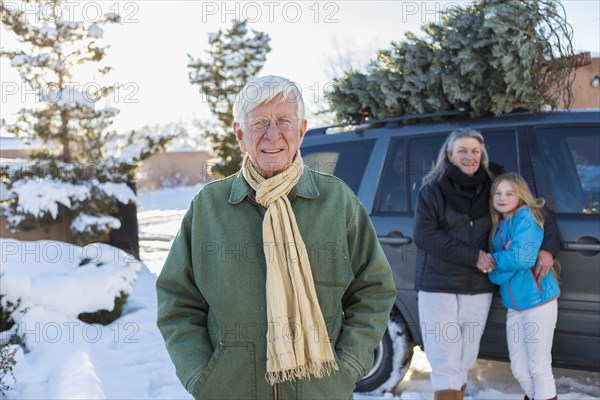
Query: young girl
{"points": [[516, 238]]}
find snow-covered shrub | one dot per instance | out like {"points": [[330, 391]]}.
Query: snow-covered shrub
{"points": [[10, 341], [6, 310], [43, 191], [104, 316], [7, 362], [91, 225], [57, 281]]}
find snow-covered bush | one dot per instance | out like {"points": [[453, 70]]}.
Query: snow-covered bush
{"points": [[58, 281], [10, 342], [43, 192], [7, 362], [105, 316], [48, 285], [6, 310]]}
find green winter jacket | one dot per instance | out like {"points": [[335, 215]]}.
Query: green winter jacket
{"points": [[211, 290]]}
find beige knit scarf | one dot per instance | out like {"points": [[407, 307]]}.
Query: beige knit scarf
{"points": [[298, 346]]}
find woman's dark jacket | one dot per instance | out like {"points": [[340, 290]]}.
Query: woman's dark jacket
{"points": [[448, 243]]}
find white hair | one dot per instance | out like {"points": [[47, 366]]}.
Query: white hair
{"points": [[264, 89]]}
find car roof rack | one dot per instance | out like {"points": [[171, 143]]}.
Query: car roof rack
{"points": [[387, 121]]}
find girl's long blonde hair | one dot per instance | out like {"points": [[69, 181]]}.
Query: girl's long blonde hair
{"points": [[525, 196]]}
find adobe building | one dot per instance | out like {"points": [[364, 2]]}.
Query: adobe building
{"points": [[586, 87], [175, 167]]}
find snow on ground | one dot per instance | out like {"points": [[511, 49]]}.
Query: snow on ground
{"points": [[68, 359], [159, 215], [176, 198], [493, 380]]}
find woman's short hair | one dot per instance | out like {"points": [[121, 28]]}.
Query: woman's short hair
{"points": [[264, 89]]}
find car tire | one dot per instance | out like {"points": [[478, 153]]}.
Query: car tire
{"points": [[392, 359]]}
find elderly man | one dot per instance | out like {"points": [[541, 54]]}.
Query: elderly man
{"points": [[276, 286]]}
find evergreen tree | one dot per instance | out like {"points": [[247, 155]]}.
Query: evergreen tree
{"points": [[492, 56], [234, 56], [52, 46], [86, 179]]}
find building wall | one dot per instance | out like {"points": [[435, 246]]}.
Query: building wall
{"points": [[584, 94], [13, 153], [174, 168]]}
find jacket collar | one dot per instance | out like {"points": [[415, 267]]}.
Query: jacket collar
{"points": [[519, 209], [305, 188]]}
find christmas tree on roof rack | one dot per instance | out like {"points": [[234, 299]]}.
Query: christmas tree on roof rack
{"points": [[489, 57]]}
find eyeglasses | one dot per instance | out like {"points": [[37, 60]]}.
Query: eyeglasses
{"points": [[261, 125]]}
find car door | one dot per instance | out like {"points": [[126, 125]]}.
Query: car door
{"points": [[408, 160], [566, 170]]}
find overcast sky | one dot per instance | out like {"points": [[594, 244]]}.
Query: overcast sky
{"points": [[311, 43]]}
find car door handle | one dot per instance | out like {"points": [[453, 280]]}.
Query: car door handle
{"points": [[574, 246], [587, 244], [393, 240], [394, 237]]}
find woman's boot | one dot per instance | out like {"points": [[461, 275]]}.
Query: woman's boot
{"points": [[448, 395]]}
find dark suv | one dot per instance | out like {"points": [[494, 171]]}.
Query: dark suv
{"points": [[557, 152]]}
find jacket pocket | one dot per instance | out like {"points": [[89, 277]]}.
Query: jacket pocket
{"points": [[525, 292], [332, 274], [537, 284], [230, 373], [330, 262], [339, 385]]}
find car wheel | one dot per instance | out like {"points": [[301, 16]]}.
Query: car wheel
{"points": [[392, 359]]}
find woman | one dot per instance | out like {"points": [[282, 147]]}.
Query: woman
{"points": [[452, 224]]}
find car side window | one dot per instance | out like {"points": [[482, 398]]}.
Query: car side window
{"points": [[403, 173], [571, 157], [422, 156], [392, 193], [502, 151], [346, 160]]}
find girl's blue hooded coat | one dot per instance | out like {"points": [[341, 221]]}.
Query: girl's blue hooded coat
{"points": [[515, 246]]}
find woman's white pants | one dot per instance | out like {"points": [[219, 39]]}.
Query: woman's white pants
{"points": [[451, 327]]}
